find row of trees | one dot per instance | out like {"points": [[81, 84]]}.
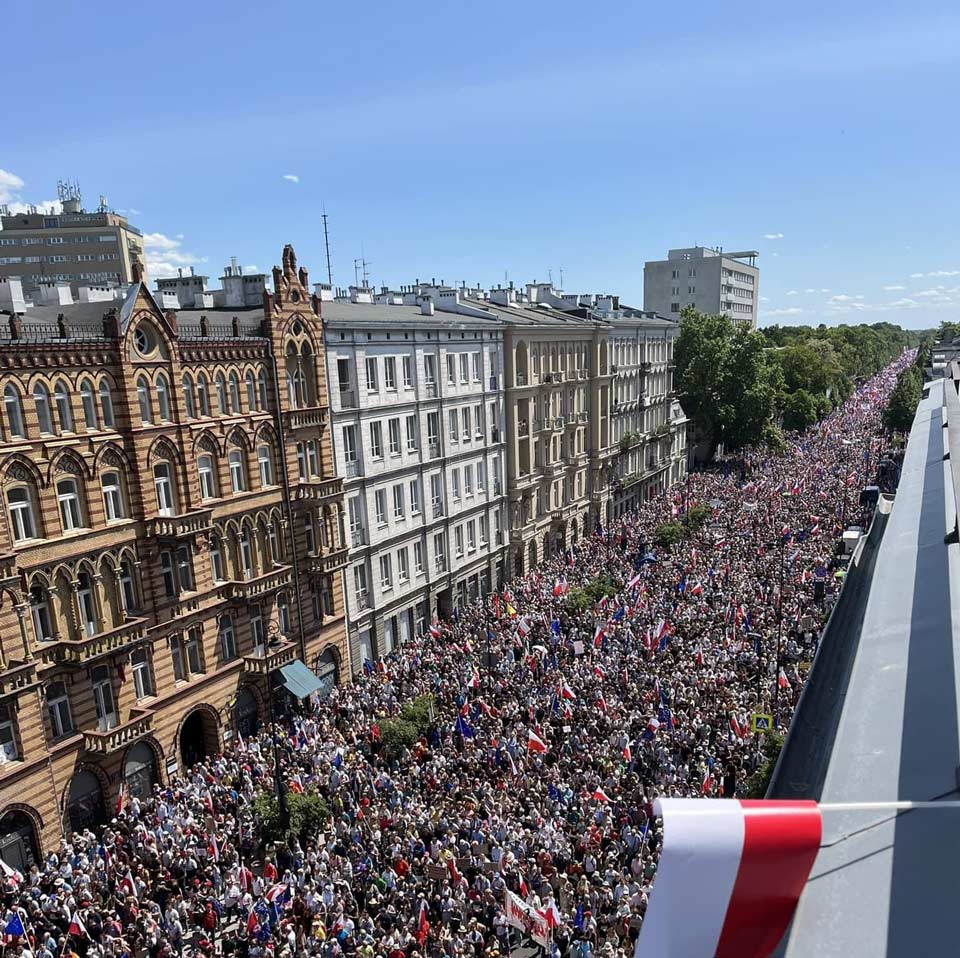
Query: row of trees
{"points": [[742, 386]]}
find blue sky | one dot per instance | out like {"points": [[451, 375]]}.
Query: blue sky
{"points": [[466, 142]]}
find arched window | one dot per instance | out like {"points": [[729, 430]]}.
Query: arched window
{"points": [[163, 398], [40, 613], [8, 736], [112, 496], [265, 464], [251, 392], [14, 411], [188, 406], [228, 642], [68, 501], [234, 392], [164, 484], [58, 708], [203, 395], [106, 404], [23, 522], [143, 399], [87, 605], [89, 401], [238, 470], [216, 559], [223, 401], [262, 388], [41, 399], [61, 395], [209, 487], [142, 674]]}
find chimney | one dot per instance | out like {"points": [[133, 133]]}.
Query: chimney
{"points": [[233, 266], [180, 272], [63, 330], [191, 271], [426, 307]]}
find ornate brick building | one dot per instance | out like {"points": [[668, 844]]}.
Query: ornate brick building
{"points": [[167, 564]]}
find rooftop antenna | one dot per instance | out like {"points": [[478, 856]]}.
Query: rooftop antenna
{"points": [[550, 276], [561, 277], [365, 263], [326, 243]]}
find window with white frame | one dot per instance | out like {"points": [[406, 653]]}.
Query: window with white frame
{"points": [[455, 482], [371, 368], [207, 476], [458, 541], [414, 496], [376, 440], [8, 736], [380, 504], [468, 480], [439, 551], [467, 428], [112, 496], [393, 429], [454, 420], [142, 674], [228, 640], [89, 403], [403, 566], [68, 500], [484, 529], [238, 470], [265, 464], [61, 396], [41, 402], [398, 507], [418, 557], [412, 443], [22, 523], [471, 536], [194, 649], [386, 573], [407, 372], [103, 699], [482, 476], [451, 369], [40, 613], [257, 634], [163, 484], [58, 709], [246, 553], [475, 366], [350, 443], [464, 368], [390, 372], [360, 585]]}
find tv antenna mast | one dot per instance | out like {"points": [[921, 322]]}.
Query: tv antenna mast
{"points": [[326, 243]]}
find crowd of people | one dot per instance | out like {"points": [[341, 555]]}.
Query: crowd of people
{"points": [[555, 718]]}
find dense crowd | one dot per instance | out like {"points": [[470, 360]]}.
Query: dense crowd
{"points": [[554, 724]]}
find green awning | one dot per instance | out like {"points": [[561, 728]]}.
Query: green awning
{"points": [[299, 680]]}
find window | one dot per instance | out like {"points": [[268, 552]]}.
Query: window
{"points": [[112, 496], [251, 386], [61, 395], [478, 413], [415, 496], [418, 557], [454, 420], [436, 495], [246, 553], [216, 559], [386, 573], [14, 411], [228, 642], [371, 367], [106, 404], [163, 483], [309, 535], [128, 589], [40, 614], [350, 443], [398, 509], [265, 464], [390, 372], [208, 477], [412, 433], [21, 514], [143, 399], [360, 585], [103, 698], [343, 373], [176, 654], [234, 392], [357, 534], [484, 529], [471, 536], [8, 736], [464, 367], [313, 461], [194, 648], [68, 500], [455, 482], [439, 553], [403, 566], [433, 429], [223, 401], [407, 372], [430, 371], [380, 501], [41, 399], [458, 540], [451, 369], [89, 403], [394, 434], [203, 395], [142, 674], [185, 568], [262, 389], [475, 364], [257, 635], [238, 472], [168, 574], [58, 708], [468, 480], [376, 440], [283, 614], [163, 398], [481, 476], [467, 428], [273, 540]]}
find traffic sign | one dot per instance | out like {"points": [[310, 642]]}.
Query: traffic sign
{"points": [[761, 722]]}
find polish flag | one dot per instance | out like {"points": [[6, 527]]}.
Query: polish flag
{"points": [[599, 672], [130, 886], [707, 785], [435, 631], [647, 640], [77, 927], [560, 586], [745, 863], [601, 796], [626, 753], [535, 743], [602, 704], [423, 926], [735, 727], [551, 915], [697, 589], [474, 682], [782, 680], [567, 692], [598, 637], [720, 544], [524, 626], [698, 656], [652, 725], [120, 797], [634, 581], [567, 711], [851, 479]]}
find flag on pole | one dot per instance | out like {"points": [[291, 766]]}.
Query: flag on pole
{"points": [[745, 863], [782, 680], [567, 692], [14, 927], [600, 795], [524, 626], [651, 730], [77, 927], [598, 637], [535, 743], [627, 757], [10, 873], [423, 926], [435, 631], [120, 796], [130, 886]]}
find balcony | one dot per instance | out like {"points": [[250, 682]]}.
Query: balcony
{"points": [[614, 369], [330, 561], [581, 374], [494, 435], [348, 399], [583, 417], [358, 537], [180, 527], [246, 590], [17, 677], [273, 657], [521, 379], [318, 489], [351, 469], [523, 428], [8, 569], [646, 367], [558, 422], [308, 416], [136, 727], [438, 510], [83, 651], [431, 388]]}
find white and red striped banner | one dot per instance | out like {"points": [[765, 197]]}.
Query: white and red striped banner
{"points": [[730, 876]]}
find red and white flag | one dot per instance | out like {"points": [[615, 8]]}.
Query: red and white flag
{"points": [[423, 926], [77, 927], [744, 863], [601, 796], [598, 637], [524, 626], [129, 885], [535, 743], [120, 797], [551, 914], [782, 680], [435, 631]]}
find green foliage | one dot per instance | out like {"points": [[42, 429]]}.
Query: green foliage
{"points": [[307, 812], [627, 440], [800, 410], [668, 534], [696, 516], [903, 401], [759, 781], [585, 597], [396, 735], [418, 713]]}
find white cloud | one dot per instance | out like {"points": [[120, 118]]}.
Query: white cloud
{"points": [[764, 299], [251, 268], [291, 177], [824, 290], [916, 276], [773, 236], [841, 298], [164, 255], [787, 311], [10, 186], [893, 289], [10, 195], [793, 292], [904, 303], [809, 290]]}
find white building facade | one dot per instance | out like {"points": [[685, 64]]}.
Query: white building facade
{"points": [[416, 400]]}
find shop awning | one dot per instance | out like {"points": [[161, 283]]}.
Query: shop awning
{"points": [[299, 680]]}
